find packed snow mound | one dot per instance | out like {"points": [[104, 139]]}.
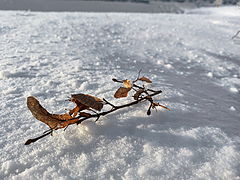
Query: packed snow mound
{"points": [[190, 57]]}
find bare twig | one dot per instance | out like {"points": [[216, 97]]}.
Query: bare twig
{"points": [[40, 137], [97, 115], [236, 35], [142, 94], [118, 107], [115, 80], [107, 102], [138, 76]]}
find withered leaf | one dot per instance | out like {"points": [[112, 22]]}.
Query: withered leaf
{"points": [[88, 101], [54, 121], [65, 120], [62, 117], [40, 113], [145, 79], [84, 114], [79, 107], [122, 92], [127, 83], [137, 94]]}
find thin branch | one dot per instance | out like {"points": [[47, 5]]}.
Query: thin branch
{"points": [[79, 119], [40, 137], [115, 80], [138, 76], [236, 35], [107, 102], [118, 107], [97, 115]]}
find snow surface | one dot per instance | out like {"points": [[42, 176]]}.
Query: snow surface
{"points": [[191, 57]]}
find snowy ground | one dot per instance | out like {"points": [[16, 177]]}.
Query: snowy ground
{"points": [[191, 57]]}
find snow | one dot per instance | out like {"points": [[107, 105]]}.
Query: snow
{"points": [[190, 57], [223, 11]]}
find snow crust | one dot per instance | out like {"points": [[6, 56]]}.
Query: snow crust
{"points": [[191, 57]]}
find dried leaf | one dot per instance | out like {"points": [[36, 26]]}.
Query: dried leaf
{"points": [[67, 123], [54, 121], [84, 114], [145, 79], [127, 83], [40, 113], [137, 94], [79, 107], [88, 101], [62, 117], [122, 92]]}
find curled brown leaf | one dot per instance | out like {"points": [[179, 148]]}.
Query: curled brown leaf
{"points": [[145, 79], [122, 92], [86, 101], [54, 121], [84, 114]]}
